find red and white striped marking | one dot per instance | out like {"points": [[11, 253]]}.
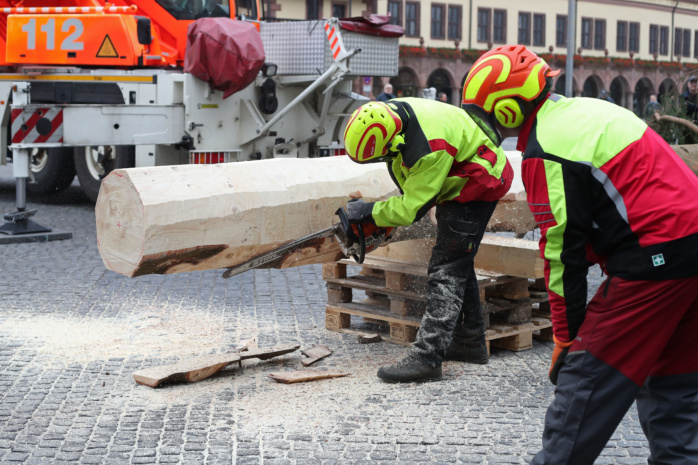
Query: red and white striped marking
{"points": [[335, 39], [69, 9], [24, 123]]}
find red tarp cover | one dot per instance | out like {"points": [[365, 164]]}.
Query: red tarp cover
{"points": [[224, 52], [374, 25]]}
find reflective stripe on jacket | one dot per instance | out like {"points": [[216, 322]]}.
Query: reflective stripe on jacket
{"points": [[446, 157], [605, 188]]}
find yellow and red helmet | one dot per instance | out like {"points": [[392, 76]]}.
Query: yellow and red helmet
{"points": [[500, 78], [370, 131]]}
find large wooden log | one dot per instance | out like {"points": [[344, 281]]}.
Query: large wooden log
{"points": [[689, 154], [496, 254], [184, 218]]}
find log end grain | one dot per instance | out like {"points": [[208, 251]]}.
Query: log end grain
{"points": [[120, 222]]}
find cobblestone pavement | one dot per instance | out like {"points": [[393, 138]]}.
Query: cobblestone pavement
{"points": [[72, 333]]}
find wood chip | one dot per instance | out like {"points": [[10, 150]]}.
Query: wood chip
{"points": [[315, 353], [247, 344], [369, 338], [289, 377]]}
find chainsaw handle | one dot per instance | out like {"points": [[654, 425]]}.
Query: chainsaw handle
{"points": [[344, 221], [354, 233]]}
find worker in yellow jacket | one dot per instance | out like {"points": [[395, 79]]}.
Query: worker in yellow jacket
{"points": [[438, 156]]}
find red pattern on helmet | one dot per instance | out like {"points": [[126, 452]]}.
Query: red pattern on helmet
{"points": [[522, 62]]}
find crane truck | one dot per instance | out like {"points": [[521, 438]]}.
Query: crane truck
{"points": [[87, 87]]}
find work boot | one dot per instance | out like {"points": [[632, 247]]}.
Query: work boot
{"points": [[465, 353], [408, 370]]}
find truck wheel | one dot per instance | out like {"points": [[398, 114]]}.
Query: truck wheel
{"points": [[53, 170], [93, 163]]}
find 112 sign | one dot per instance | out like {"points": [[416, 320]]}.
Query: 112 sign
{"points": [[47, 34]]}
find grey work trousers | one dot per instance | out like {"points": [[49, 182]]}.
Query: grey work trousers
{"points": [[453, 299]]}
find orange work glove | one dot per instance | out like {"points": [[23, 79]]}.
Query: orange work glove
{"points": [[558, 358]]}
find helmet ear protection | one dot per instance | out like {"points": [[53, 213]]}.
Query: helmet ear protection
{"points": [[508, 112], [397, 144]]}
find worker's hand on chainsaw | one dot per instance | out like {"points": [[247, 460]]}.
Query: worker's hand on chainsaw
{"points": [[359, 212], [558, 358]]}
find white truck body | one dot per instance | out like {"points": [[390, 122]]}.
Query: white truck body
{"points": [[171, 117]]}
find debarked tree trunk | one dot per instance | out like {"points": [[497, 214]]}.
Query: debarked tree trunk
{"points": [[172, 219]]}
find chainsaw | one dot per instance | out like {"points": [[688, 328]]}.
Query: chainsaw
{"points": [[355, 240]]}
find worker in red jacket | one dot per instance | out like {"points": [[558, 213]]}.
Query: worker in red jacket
{"points": [[604, 188]]}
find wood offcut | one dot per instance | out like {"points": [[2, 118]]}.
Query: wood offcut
{"points": [[315, 353], [197, 369], [289, 377]]}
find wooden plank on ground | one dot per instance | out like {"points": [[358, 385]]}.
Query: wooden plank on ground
{"points": [[288, 377], [315, 353], [197, 369]]}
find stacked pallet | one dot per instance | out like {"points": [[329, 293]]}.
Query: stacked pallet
{"points": [[394, 281]]}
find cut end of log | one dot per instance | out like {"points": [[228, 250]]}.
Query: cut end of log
{"points": [[119, 215]]}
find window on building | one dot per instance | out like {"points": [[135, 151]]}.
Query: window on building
{"points": [[339, 10], [654, 39], [622, 36], [499, 29], [587, 32], [687, 42], [695, 45], [454, 22], [664, 40], [524, 28], [437, 21], [312, 9], [561, 31], [394, 12], [599, 34], [539, 30], [678, 41], [634, 37], [412, 19], [483, 24]]}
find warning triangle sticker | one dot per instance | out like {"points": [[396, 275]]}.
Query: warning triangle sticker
{"points": [[107, 50]]}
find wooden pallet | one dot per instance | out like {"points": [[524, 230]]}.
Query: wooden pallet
{"points": [[403, 329], [396, 300]]}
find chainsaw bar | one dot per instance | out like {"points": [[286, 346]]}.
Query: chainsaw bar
{"points": [[279, 253]]}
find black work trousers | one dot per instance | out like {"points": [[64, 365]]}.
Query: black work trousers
{"points": [[453, 298]]}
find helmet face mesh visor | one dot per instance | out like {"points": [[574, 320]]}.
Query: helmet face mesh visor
{"points": [[485, 121]]}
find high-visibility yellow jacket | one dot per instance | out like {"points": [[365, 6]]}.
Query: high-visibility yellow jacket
{"points": [[446, 158], [604, 188]]}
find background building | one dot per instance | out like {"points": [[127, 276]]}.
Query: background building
{"points": [[632, 48]]}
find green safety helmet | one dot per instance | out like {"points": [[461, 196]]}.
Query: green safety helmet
{"points": [[370, 131]]}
